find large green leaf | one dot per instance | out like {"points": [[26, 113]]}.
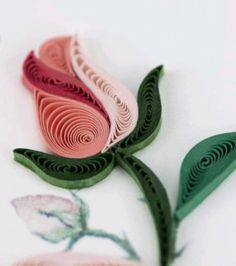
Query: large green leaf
{"points": [[203, 169], [157, 199], [65, 172], [148, 124]]}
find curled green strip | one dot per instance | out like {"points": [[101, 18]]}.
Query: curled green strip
{"points": [[65, 172], [149, 119], [203, 169], [157, 200]]}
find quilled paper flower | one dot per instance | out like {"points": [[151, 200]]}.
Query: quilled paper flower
{"points": [[73, 259], [95, 123], [81, 110]]}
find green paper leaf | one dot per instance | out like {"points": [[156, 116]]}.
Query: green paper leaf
{"points": [[149, 119], [65, 172], [203, 169], [157, 200]]}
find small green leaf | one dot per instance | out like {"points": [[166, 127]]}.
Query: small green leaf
{"points": [[157, 200], [203, 169], [65, 172], [149, 119]]}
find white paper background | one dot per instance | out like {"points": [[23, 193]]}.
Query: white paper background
{"points": [[196, 41]]}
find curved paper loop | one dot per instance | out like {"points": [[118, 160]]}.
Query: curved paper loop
{"points": [[118, 101], [71, 129], [157, 200], [64, 172], [74, 259], [205, 166], [55, 54], [149, 119], [38, 75]]}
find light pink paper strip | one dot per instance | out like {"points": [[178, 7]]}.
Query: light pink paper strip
{"points": [[73, 259], [118, 101]]}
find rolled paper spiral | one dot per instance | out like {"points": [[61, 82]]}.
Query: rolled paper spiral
{"points": [[205, 166], [149, 118], [70, 128], [157, 200], [55, 54], [65, 172], [37, 75], [119, 102], [73, 259]]}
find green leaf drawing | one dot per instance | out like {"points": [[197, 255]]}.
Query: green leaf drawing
{"points": [[65, 172], [203, 169]]}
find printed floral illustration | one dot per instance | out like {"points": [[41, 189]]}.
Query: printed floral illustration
{"points": [[55, 219]]}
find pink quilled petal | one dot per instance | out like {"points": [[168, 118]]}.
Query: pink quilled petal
{"points": [[71, 129], [118, 101], [73, 122], [55, 54], [38, 75]]}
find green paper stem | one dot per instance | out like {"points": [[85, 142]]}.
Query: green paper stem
{"points": [[149, 119], [157, 200], [65, 172]]}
